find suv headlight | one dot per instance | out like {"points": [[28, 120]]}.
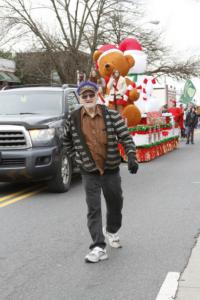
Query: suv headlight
{"points": [[42, 136]]}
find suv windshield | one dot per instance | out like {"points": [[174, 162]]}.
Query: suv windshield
{"points": [[33, 102]]}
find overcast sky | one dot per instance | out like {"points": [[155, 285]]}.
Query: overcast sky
{"points": [[180, 19]]}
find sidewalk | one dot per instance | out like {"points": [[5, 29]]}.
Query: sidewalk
{"points": [[189, 282]]}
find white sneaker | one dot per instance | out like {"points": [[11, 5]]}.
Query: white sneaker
{"points": [[113, 239], [96, 254]]}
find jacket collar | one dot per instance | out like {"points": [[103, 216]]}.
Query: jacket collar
{"points": [[76, 117]]}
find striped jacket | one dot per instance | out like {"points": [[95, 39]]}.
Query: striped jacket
{"points": [[117, 132]]}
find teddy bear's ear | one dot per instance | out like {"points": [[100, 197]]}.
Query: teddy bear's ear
{"points": [[96, 55], [130, 60]]}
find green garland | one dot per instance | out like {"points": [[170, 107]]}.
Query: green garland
{"points": [[158, 143], [164, 126], [132, 129], [147, 128]]}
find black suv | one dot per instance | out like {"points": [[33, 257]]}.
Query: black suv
{"points": [[31, 130]]}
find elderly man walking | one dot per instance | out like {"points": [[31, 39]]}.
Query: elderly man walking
{"points": [[92, 134]]}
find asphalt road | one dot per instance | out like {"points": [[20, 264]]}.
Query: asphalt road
{"points": [[44, 237]]}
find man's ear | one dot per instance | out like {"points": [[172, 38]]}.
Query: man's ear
{"points": [[96, 55], [130, 60]]}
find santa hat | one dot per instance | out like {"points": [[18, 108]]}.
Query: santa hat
{"points": [[108, 48], [130, 44], [132, 47]]}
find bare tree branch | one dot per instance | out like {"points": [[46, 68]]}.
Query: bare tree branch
{"points": [[85, 26]]}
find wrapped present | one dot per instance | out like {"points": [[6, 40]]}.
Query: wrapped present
{"points": [[154, 118]]}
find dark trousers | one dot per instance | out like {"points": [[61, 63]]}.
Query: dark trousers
{"points": [[190, 134], [110, 184]]}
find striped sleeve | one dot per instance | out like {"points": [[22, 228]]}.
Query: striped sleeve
{"points": [[122, 132], [67, 138]]}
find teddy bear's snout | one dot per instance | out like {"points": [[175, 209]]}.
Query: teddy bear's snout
{"points": [[108, 69]]}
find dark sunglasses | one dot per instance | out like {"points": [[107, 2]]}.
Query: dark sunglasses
{"points": [[90, 95]]}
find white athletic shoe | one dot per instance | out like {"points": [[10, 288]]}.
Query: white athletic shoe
{"points": [[96, 254], [113, 239]]}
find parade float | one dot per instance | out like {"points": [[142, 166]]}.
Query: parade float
{"points": [[129, 91], [155, 138]]}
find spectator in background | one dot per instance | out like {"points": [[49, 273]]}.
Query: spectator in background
{"points": [[175, 111], [81, 76], [181, 121], [93, 77], [100, 81], [190, 123], [178, 114], [164, 108]]}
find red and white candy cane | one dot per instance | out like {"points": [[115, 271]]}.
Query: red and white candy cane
{"points": [[144, 86], [130, 88]]}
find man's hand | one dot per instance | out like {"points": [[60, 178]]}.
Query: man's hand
{"points": [[132, 163]]}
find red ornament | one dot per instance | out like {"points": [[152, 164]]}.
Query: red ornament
{"points": [[133, 85], [153, 81], [145, 81]]}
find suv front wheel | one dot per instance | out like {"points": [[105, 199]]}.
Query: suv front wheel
{"points": [[61, 182]]}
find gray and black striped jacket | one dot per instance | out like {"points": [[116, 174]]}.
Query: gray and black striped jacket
{"points": [[117, 132]]}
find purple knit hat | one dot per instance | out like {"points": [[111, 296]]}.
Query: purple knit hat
{"points": [[87, 86]]}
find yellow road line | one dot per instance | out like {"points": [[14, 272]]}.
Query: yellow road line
{"points": [[18, 193], [23, 197]]}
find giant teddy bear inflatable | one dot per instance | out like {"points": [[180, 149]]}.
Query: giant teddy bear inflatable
{"points": [[113, 65]]}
